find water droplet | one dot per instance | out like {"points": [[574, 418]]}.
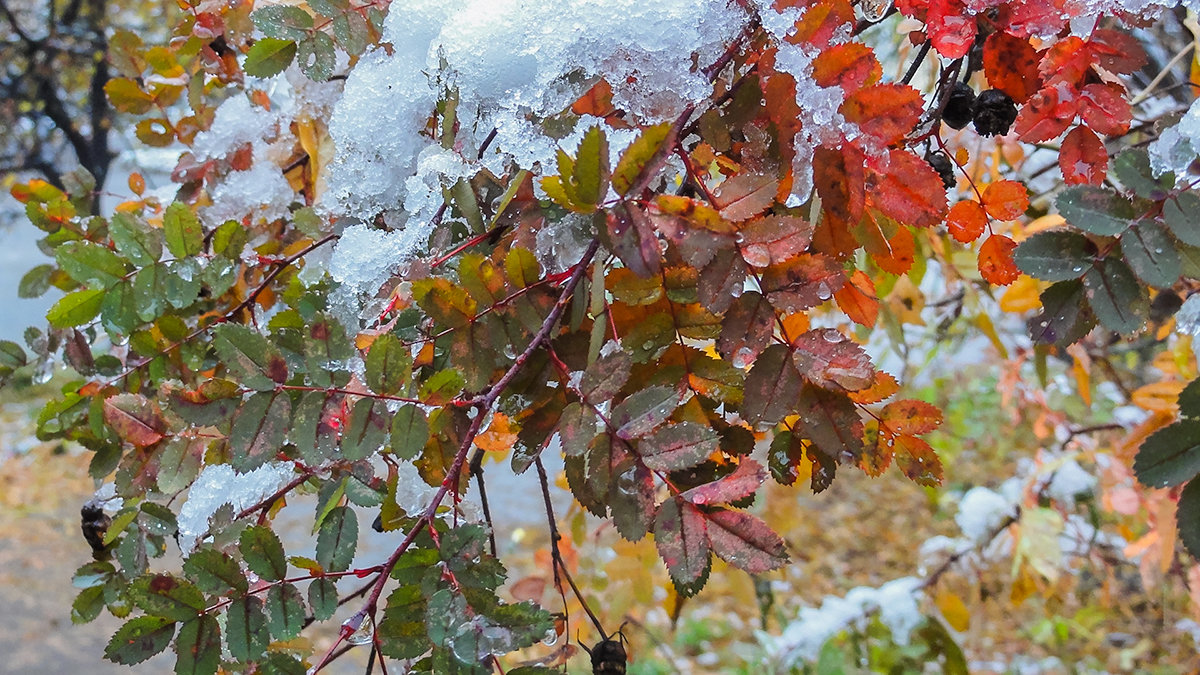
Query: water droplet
{"points": [[43, 372], [550, 637], [365, 633]]}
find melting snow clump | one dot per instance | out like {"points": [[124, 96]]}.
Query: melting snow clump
{"points": [[218, 485], [260, 192], [1178, 146], [981, 511]]}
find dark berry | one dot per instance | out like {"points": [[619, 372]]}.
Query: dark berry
{"points": [[957, 113], [941, 164], [994, 113]]}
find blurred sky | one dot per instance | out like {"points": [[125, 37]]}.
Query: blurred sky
{"points": [[18, 254]]}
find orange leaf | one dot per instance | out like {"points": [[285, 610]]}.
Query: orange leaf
{"points": [[911, 193], [821, 22], [840, 177], [1068, 60], [858, 300], [903, 248], [850, 65], [1083, 158], [886, 111], [882, 388], [597, 101], [137, 184], [918, 461], [996, 261], [966, 221], [1011, 65], [1005, 200], [1046, 115], [501, 434], [910, 416], [877, 453], [745, 195]]}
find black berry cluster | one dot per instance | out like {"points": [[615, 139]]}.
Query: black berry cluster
{"points": [[993, 111], [957, 113], [941, 164]]}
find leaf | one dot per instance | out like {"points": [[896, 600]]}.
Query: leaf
{"points": [[678, 446], [36, 282], [742, 483], [858, 300], [182, 230], [135, 239], [1066, 316], [910, 417], [886, 111], [127, 97], [954, 610], [87, 605], [829, 359], [1169, 456], [590, 173], [745, 542], [258, 429], [951, 28], [410, 432], [643, 411], [269, 57], [1116, 296], [1011, 65], [323, 598], [285, 611], [263, 553], [1055, 255], [86, 262], [286, 22], [996, 262], [1082, 158], [1095, 209], [1132, 168], [1179, 213], [772, 387], [773, 239], [850, 66], [166, 596], [366, 431], [637, 155], [681, 537], [605, 377], [1151, 253], [198, 646], [1045, 115], [918, 461], [745, 195], [911, 192], [76, 309], [840, 179], [802, 282], [747, 329], [246, 628], [1005, 200], [139, 639], [1187, 517], [337, 539], [215, 572], [248, 354], [966, 221], [831, 422], [1104, 108], [136, 419]]}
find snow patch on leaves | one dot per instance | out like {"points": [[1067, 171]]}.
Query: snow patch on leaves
{"points": [[218, 485]]}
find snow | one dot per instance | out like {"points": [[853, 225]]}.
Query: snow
{"points": [[218, 485], [236, 123], [1178, 146], [981, 511], [260, 192], [1068, 482]]}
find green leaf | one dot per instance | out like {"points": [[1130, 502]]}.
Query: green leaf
{"points": [[642, 412], [158, 519], [366, 431], [1181, 214], [246, 629], [1056, 255], [258, 430], [338, 539], [278, 663], [198, 647], [11, 355], [250, 355], [637, 155], [316, 56], [286, 22], [263, 553], [576, 428], [681, 536], [1150, 251], [76, 309], [285, 611], [678, 446], [410, 432], [389, 364], [1187, 516], [772, 387], [590, 173], [1169, 456], [179, 463], [323, 598], [1066, 316], [166, 596], [36, 282], [1097, 210], [139, 639], [215, 572], [402, 632], [87, 605], [182, 230], [269, 57], [1132, 168], [86, 263], [229, 240], [135, 239], [1116, 296]]}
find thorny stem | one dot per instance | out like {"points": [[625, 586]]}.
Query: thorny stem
{"points": [[476, 465]]}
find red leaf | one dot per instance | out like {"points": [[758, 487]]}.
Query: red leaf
{"points": [[1068, 60], [1027, 18], [740, 484], [136, 419], [1047, 114], [773, 239], [840, 178], [678, 446], [1011, 65], [745, 195], [830, 360], [747, 329], [966, 221], [886, 111], [772, 387], [911, 193], [903, 249], [802, 282], [1083, 158], [681, 536], [1117, 51], [850, 66], [996, 261], [746, 542], [910, 416], [1005, 200], [951, 28], [858, 300], [1103, 107], [918, 461], [821, 21]]}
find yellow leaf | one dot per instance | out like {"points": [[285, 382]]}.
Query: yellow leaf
{"points": [[1021, 296], [1082, 370], [984, 323], [954, 610], [1157, 396]]}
